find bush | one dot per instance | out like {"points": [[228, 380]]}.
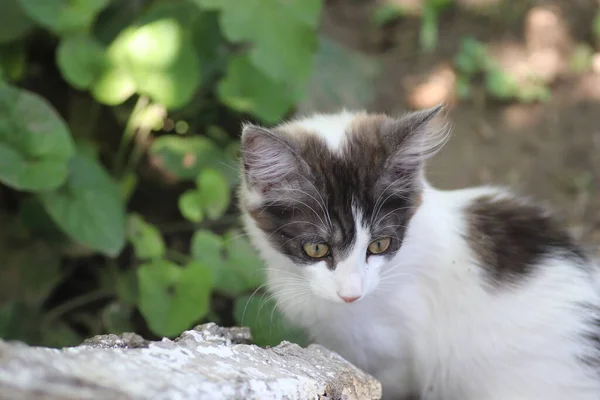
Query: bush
{"points": [[119, 124]]}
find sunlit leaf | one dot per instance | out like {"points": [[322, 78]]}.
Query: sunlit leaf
{"points": [[89, 207], [158, 55], [172, 298], [35, 143], [146, 238], [267, 325], [80, 59], [213, 193], [185, 157], [190, 206]]}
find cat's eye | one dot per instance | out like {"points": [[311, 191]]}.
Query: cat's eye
{"points": [[379, 246], [316, 250]]}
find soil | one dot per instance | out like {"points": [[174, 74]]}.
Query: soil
{"points": [[550, 151]]}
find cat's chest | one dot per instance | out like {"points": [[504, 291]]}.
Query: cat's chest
{"points": [[368, 337]]}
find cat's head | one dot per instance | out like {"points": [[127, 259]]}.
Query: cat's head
{"points": [[327, 198]]}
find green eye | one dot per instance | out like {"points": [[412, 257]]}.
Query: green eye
{"points": [[379, 246], [316, 250]]}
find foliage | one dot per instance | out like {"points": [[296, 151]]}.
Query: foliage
{"points": [[135, 98], [429, 15], [473, 60]]}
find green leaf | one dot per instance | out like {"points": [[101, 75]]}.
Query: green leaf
{"points": [[213, 193], [341, 78], [13, 20], [80, 59], [501, 85], [64, 16], [185, 157], [172, 298], [246, 89], [146, 238], [268, 326], [13, 60], [35, 143], [113, 86], [472, 57], [428, 35], [233, 261], [387, 13], [282, 33], [207, 248], [158, 54], [89, 207], [190, 206]]}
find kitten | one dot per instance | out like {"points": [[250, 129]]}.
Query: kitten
{"points": [[472, 294]]}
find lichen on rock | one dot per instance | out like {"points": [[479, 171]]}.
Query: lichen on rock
{"points": [[208, 362]]}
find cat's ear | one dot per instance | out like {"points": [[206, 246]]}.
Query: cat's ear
{"points": [[269, 160], [417, 136]]}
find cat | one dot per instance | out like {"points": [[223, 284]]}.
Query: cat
{"points": [[470, 294]]}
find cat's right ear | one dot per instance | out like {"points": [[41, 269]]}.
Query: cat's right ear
{"points": [[269, 160]]}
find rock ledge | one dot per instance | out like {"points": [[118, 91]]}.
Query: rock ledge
{"points": [[208, 362]]}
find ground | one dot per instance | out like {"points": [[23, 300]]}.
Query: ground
{"points": [[550, 150]]}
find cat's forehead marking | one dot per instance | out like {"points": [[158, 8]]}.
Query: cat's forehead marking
{"points": [[334, 129]]}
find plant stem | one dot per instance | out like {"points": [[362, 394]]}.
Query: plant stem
{"points": [[128, 134], [74, 303]]}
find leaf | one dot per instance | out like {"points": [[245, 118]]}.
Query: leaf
{"points": [[472, 57], [244, 88], [171, 298], [207, 248], [501, 85], [190, 206], [282, 33], [387, 13], [113, 86], [80, 59], [213, 193], [35, 143], [267, 325], [428, 35], [158, 55], [341, 78], [89, 207], [185, 157], [13, 20], [146, 239], [64, 16], [13, 60]]}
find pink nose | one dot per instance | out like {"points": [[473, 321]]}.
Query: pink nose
{"points": [[350, 299]]}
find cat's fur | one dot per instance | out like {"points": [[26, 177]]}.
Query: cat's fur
{"points": [[482, 296]]}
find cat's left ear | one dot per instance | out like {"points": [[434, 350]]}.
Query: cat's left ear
{"points": [[416, 136]]}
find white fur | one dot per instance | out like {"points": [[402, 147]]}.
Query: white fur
{"points": [[431, 326], [426, 323], [331, 127]]}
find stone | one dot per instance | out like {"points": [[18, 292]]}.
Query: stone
{"points": [[208, 362]]}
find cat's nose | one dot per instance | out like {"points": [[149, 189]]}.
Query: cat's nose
{"points": [[349, 299]]}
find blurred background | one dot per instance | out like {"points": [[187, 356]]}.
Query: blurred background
{"points": [[120, 123]]}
